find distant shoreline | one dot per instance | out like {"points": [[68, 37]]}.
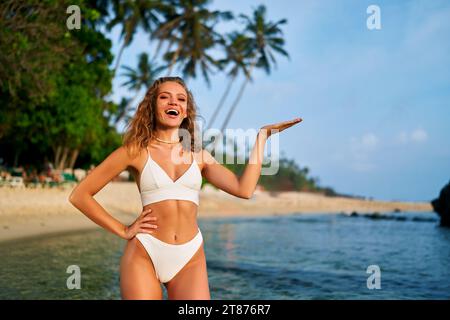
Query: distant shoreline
{"points": [[33, 212]]}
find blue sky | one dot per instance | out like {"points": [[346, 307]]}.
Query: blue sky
{"points": [[375, 103]]}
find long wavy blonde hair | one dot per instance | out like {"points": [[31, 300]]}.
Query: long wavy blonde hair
{"points": [[141, 129]]}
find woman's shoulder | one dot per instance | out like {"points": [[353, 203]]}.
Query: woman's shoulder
{"points": [[200, 153], [133, 156], [203, 156], [131, 152]]}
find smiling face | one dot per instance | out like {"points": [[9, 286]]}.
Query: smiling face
{"points": [[171, 104]]}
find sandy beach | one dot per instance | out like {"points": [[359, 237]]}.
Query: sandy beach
{"points": [[35, 212]]}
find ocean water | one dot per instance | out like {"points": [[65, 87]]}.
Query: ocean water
{"points": [[295, 257]]}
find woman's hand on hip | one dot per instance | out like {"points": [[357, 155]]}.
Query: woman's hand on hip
{"points": [[141, 225]]}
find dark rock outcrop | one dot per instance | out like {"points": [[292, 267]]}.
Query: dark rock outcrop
{"points": [[441, 205]]}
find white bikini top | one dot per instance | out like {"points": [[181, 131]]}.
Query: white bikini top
{"points": [[156, 185]]}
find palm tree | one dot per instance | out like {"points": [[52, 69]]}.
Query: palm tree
{"points": [[264, 37], [191, 29], [132, 14], [237, 54], [122, 110], [101, 7], [141, 77]]}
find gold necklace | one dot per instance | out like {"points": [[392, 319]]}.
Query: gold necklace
{"points": [[165, 141]]}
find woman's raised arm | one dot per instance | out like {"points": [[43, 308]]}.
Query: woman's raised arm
{"points": [[243, 186]]}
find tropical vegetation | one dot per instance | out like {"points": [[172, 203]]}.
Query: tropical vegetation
{"points": [[56, 82]]}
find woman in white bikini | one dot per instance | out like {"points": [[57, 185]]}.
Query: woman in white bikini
{"points": [[165, 244]]}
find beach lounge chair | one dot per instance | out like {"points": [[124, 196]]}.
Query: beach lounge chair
{"points": [[16, 182]]}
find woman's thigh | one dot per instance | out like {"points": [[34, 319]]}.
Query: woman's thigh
{"points": [[191, 282], [137, 275]]}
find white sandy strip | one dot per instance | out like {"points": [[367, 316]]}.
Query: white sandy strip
{"points": [[32, 212]]}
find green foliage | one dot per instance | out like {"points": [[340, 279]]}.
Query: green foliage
{"points": [[32, 47], [54, 82], [290, 176], [69, 112]]}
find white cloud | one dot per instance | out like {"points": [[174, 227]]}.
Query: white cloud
{"points": [[369, 140], [418, 135], [361, 150]]}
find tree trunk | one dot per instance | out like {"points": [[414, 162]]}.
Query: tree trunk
{"points": [[228, 117], [174, 59], [73, 158], [177, 53], [234, 105], [239, 96], [62, 161], [16, 158], [57, 156], [119, 56], [222, 100], [125, 111], [158, 48]]}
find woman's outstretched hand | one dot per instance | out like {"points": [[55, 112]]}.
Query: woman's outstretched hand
{"points": [[278, 127], [141, 225]]}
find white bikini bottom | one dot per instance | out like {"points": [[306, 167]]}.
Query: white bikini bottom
{"points": [[168, 259]]}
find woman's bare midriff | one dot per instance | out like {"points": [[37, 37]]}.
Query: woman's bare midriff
{"points": [[176, 220]]}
